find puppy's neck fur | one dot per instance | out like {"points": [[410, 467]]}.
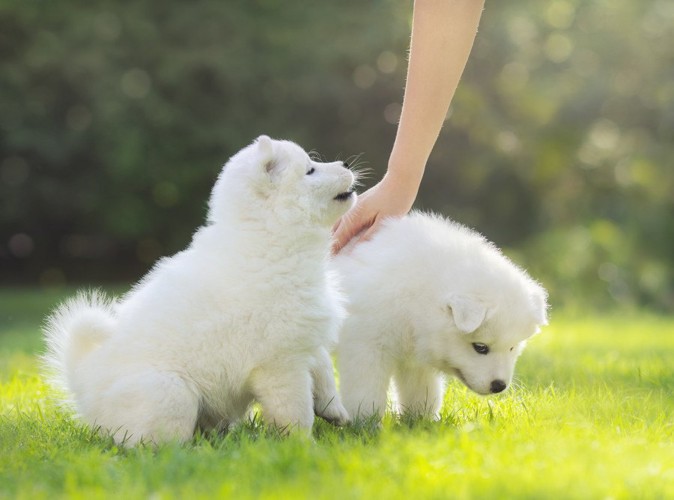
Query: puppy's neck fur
{"points": [[263, 240]]}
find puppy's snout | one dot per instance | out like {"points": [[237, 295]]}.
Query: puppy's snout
{"points": [[497, 386]]}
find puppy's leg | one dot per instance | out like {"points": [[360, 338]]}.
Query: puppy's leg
{"points": [[151, 406], [327, 403], [284, 392], [420, 391], [364, 376]]}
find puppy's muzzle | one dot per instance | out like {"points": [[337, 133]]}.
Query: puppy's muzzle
{"points": [[345, 195]]}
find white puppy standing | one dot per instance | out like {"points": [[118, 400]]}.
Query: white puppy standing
{"points": [[429, 297], [245, 313]]}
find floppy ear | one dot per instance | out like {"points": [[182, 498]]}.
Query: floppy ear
{"points": [[265, 150], [468, 311]]}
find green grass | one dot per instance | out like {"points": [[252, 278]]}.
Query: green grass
{"points": [[592, 417]]}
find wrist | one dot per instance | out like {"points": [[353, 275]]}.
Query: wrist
{"points": [[401, 187], [404, 177]]}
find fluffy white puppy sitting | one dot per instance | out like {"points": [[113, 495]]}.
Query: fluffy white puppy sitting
{"points": [[245, 313], [429, 297]]}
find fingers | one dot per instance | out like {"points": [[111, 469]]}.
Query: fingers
{"points": [[362, 221], [347, 227], [339, 240], [370, 232]]}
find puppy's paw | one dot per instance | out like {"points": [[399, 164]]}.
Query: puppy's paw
{"points": [[332, 410]]}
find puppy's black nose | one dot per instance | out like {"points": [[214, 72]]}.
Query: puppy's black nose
{"points": [[497, 386], [345, 164]]}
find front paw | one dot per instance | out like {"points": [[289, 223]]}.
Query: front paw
{"points": [[332, 410]]}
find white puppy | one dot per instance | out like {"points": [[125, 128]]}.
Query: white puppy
{"points": [[245, 313], [429, 297]]}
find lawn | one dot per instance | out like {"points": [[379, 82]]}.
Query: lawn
{"points": [[592, 416]]}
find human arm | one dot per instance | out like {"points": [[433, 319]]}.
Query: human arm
{"points": [[443, 32]]}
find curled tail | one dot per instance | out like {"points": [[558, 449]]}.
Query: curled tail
{"points": [[76, 328]]}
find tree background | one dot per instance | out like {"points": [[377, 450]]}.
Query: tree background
{"points": [[115, 118]]}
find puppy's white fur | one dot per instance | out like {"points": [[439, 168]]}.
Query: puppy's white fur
{"points": [[421, 292], [245, 313]]}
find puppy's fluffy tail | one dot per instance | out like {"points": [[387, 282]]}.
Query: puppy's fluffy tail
{"points": [[76, 328]]}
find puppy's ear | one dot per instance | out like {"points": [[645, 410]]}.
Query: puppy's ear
{"points": [[264, 145], [265, 149], [468, 311]]}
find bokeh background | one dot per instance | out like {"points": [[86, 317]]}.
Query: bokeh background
{"points": [[115, 118]]}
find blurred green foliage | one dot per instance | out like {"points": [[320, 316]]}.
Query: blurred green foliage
{"points": [[115, 118]]}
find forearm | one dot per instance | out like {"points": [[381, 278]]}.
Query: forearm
{"points": [[443, 32]]}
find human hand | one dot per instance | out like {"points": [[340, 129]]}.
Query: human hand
{"points": [[391, 197]]}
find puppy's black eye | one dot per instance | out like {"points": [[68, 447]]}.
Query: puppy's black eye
{"points": [[481, 348], [311, 171]]}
